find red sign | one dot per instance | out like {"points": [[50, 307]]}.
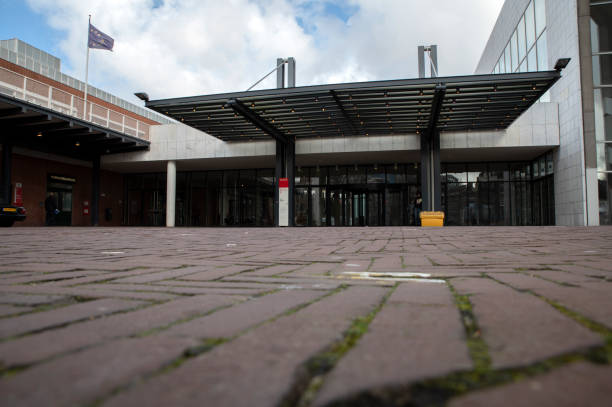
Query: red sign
{"points": [[18, 194], [283, 182], [85, 207]]}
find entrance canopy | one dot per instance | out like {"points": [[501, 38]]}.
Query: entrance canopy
{"points": [[459, 103], [43, 129]]}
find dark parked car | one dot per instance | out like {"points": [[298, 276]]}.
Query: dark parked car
{"points": [[9, 214]]}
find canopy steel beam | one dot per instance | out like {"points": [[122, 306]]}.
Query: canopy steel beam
{"points": [[344, 114], [257, 120], [436, 106]]}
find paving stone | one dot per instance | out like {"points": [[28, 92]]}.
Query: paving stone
{"points": [[29, 299], [261, 363], [593, 300], [230, 321], [89, 291], [59, 316], [11, 309], [229, 276], [158, 276], [276, 269], [40, 346], [578, 384], [519, 328], [41, 278], [417, 334], [84, 376]]}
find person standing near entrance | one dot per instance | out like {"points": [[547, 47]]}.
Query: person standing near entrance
{"points": [[51, 209], [418, 207]]}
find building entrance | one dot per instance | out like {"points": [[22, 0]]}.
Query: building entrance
{"points": [[60, 189], [356, 205]]}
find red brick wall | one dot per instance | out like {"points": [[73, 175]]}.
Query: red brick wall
{"points": [[32, 173]]}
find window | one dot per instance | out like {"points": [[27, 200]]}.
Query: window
{"points": [[507, 57], [601, 42], [532, 60], [513, 52], [540, 16], [542, 53], [522, 50], [530, 25]]}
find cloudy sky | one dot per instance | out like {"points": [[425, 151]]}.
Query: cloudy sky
{"points": [[172, 48]]}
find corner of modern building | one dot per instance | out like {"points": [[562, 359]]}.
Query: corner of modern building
{"points": [[526, 140]]}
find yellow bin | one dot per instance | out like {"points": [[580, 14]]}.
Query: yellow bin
{"points": [[432, 219]]}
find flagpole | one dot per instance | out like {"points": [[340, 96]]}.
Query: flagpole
{"points": [[86, 71]]}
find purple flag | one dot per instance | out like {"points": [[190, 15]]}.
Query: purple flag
{"points": [[97, 39]]}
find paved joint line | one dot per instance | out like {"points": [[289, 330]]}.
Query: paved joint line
{"points": [[71, 300], [596, 354], [311, 375], [477, 347], [561, 283], [207, 345], [162, 328]]}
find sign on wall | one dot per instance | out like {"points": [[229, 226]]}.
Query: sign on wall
{"points": [[283, 202], [18, 194]]}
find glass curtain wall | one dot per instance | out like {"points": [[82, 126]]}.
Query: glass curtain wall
{"points": [[203, 198], [526, 50], [499, 194], [357, 195], [601, 43]]}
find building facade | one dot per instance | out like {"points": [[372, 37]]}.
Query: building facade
{"points": [[548, 166], [533, 34]]}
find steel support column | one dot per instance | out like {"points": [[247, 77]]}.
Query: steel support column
{"points": [[285, 168], [95, 191], [279, 172], [430, 155]]}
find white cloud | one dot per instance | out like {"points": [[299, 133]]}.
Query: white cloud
{"points": [[190, 47]]}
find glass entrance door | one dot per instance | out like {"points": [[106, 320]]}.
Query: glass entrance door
{"points": [[61, 193], [351, 206]]}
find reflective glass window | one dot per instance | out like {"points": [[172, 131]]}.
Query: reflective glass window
{"points": [[507, 58], [337, 175], [601, 27], [412, 174], [456, 202], [605, 202], [231, 179], [550, 165], [532, 60], [301, 176], [602, 70], [456, 173], [540, 15], [498, 172], [542, 53], [357, 174], [376, 174], [301, 206], [396, 174], [513, 52], [530, 25], [319, 207], [318, 176], [522, 45], [477, 173], [247, 178]]}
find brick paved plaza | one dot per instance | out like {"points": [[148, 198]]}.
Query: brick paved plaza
{"points": [[306, 317]]}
